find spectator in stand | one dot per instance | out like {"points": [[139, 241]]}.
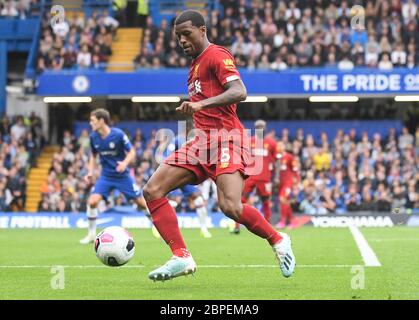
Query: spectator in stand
{"points": [[345, 63], [385, 62], [9, 9], [405, 139], [398, 56], [18, 130]]}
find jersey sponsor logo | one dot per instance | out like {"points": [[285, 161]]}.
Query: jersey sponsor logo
{"points": [[109, 153], [260, 152], [198, 88]]}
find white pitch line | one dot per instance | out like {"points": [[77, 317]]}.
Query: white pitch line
{"points": [[393, 239], [199, 266], [368, 255]]}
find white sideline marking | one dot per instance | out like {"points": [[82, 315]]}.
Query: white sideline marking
{"points": [[393, 239], [199, 266], [368, 255]]}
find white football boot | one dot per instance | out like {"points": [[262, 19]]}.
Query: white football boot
{"points": [[284, 255], [88, 239], [173, 268]]}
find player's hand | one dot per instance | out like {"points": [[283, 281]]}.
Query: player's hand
{"points": [[88, 178], [121, 166], [189, 108]]}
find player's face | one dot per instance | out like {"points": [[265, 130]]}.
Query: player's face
{"points": [[95, 123], [190, 38], [280, 146]]}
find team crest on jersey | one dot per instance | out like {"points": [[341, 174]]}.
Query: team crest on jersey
{"points": [[111, 145], [194, 88]]}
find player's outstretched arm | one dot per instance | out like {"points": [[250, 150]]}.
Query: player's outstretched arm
{"points": [[90, 168], [122, 165], [235, 92]]}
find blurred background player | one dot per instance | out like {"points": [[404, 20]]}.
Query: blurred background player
{"points": [[115, 153], [286, 175], [265, 147], [189, 192]]}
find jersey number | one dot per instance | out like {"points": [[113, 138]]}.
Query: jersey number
{"points": [[225, 155]]}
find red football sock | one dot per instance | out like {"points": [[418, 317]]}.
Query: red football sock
{"points": [[257, 224], [165, 220], [284, 212], [266, 205], [290, 214]]}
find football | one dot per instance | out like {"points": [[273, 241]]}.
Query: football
{"points": [[114, 246]]}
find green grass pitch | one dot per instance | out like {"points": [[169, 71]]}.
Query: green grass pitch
{"points": [[229, 266]]}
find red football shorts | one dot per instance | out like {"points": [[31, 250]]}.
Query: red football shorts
{"points": [[285, 191], [263, 188], [211, 159]]}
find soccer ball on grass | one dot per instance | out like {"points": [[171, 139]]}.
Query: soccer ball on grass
{"points": [[114, 246]]}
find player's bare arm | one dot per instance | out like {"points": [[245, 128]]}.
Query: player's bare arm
{"points": [[91, 168], [235, 92], [122, 165]]}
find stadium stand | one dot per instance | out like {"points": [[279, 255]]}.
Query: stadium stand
{"points": [[287, 34], [345, 172], [79, 43], [273, 35], [343, 169], [21, 142]]}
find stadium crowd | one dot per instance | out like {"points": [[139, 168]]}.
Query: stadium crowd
{"points": [[346, 173], [76, 42], [278, 35], [20, 9], [262, 35], [21, 140]]}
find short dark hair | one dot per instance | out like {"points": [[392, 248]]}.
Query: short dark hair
{"points": [[193, 16], [101, 114]]}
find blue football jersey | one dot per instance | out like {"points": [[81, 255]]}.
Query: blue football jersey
{"points": [[111, 150]]}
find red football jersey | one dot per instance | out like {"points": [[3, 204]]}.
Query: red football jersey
{"points": [[288, 168], [268, 152], [208, 74]]}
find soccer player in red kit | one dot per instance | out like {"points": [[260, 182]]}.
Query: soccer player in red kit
{"points": [[214, 87], [262, 181], [287, 174]]}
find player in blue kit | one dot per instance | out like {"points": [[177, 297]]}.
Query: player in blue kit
{"points": [[115, 153]]}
